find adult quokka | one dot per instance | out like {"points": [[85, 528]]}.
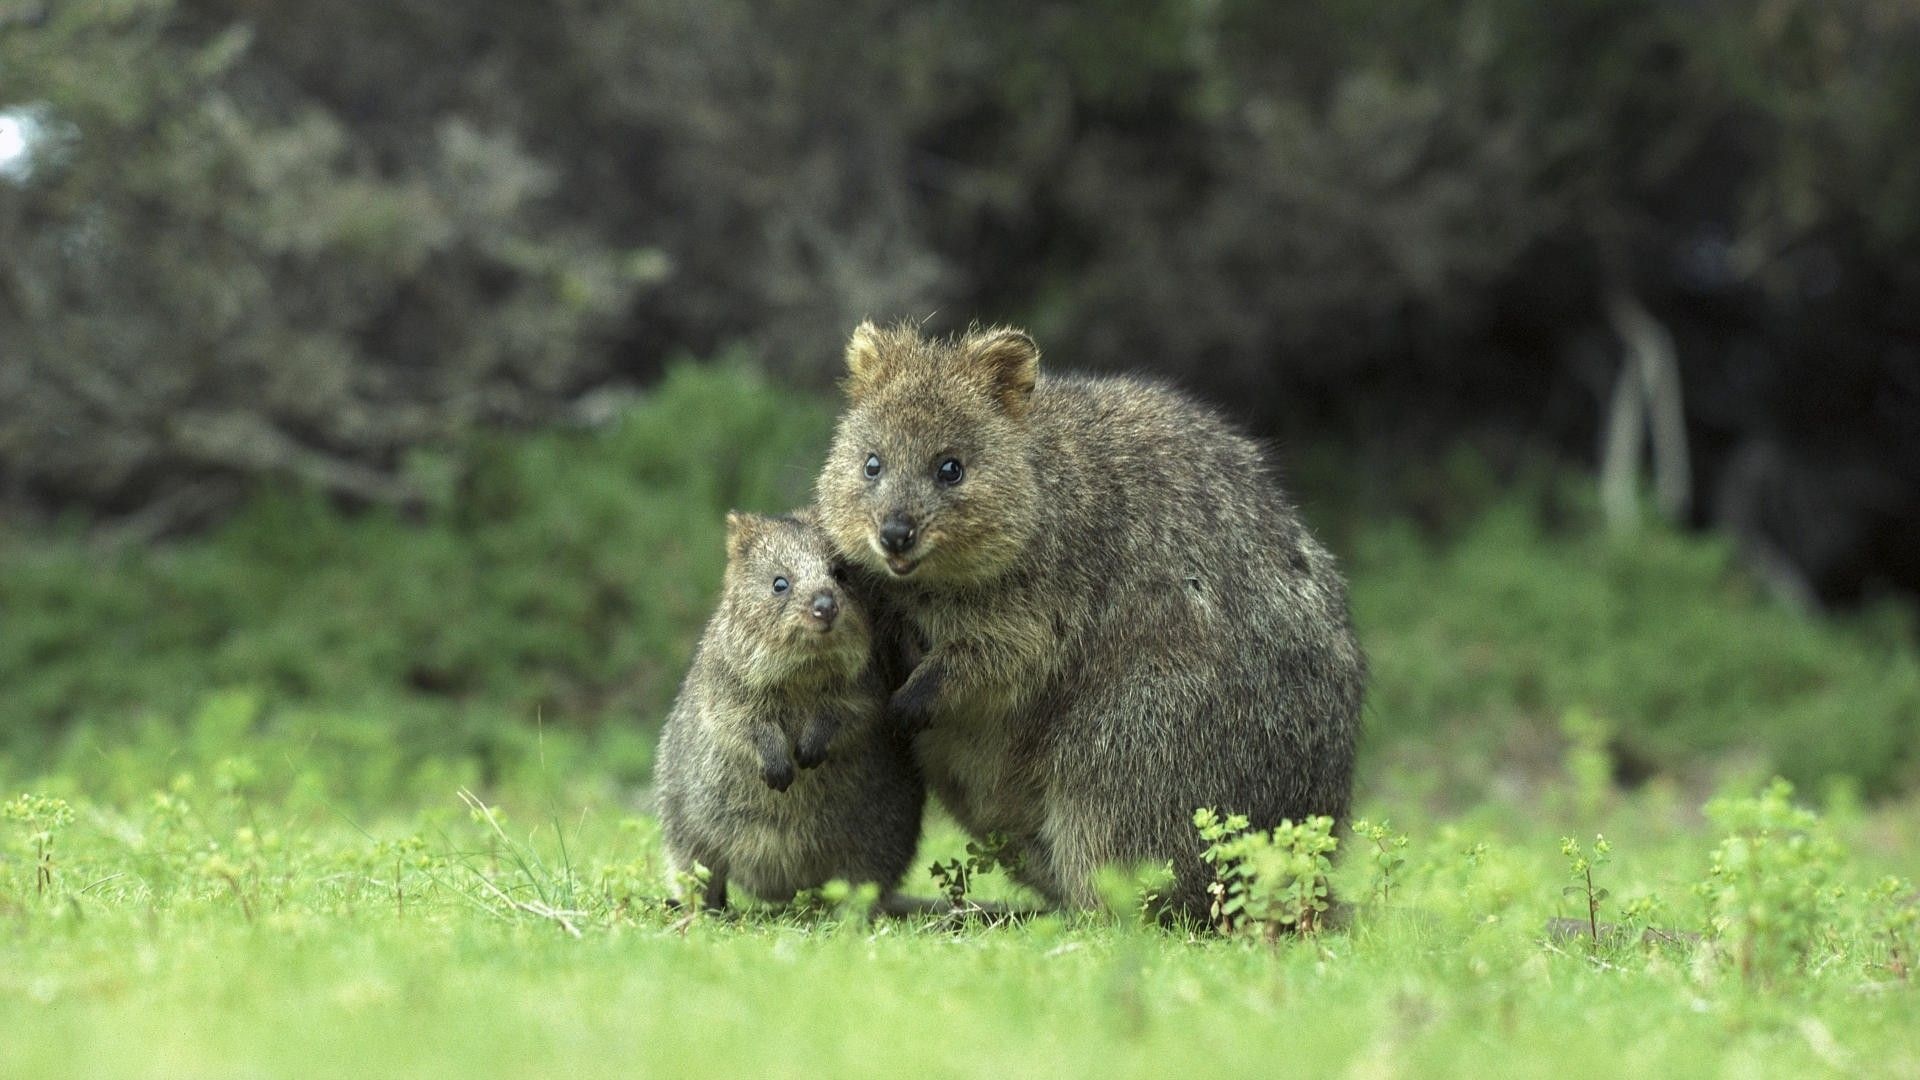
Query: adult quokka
{"points": [[1123, 617]]}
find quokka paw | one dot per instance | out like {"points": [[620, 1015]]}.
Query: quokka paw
{"points": [[778, 774]]}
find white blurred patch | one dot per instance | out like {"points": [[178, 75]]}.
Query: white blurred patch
{"points": [[18, 131]]}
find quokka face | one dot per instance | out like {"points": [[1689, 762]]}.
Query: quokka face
{"points": [[930, 475], [787, 611]]}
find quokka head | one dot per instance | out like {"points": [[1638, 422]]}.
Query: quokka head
{"points": [[931, 473], [787, 611]]}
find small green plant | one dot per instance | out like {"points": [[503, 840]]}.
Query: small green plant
{"points": [[951, 878], [1267, 882], [1581, 863], [532, 887], [1771, 892], [631, 885], [853, 904], [954, 877], [407, 853], [1896, 921], [1140, 888], [690, 887], [1644, 916], [1389, 853], [237, 875], [43, 818]]}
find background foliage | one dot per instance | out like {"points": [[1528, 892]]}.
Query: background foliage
{"points": [[271, 239], [564, 580]]}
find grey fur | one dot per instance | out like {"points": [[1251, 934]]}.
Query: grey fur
{"points": [[775, 770], [1123, 615]]}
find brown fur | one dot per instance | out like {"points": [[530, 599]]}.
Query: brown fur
{"points": [[1124, 617], [775, 771]]}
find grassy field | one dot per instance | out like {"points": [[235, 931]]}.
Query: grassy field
{"points": [[203, 932], [233, 839]]}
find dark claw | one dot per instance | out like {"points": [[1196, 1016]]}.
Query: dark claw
{"points": [[779, 775], [809, 754]]}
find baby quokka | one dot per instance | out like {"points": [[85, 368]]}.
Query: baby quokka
{"points": [[775, 771]]}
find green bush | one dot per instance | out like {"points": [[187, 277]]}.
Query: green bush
{"points": [[1772, 894], [563, 579], [215, 274], [1663, 637], [549, 597], [1267, 882]]}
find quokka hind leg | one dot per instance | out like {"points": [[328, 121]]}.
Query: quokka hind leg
{"points": [[1086, 843], [714, 898]]}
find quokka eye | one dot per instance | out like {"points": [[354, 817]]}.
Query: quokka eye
{"points": [[873, 466], [949, 472], [780, 585]]}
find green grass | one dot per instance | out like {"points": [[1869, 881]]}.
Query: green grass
{"points": [[263, 734], [208, 933]]}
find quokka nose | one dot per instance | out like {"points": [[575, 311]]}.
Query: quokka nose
{"points": [[825, 608], [897, 535]]}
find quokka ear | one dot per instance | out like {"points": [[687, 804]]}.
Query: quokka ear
{"points": [[741, 529], [868, 359], [1011, 362]]}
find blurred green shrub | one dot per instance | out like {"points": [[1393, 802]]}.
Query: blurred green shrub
{"points": [[1772, 893], [216, 274], [565, 577], [1666, 637]]}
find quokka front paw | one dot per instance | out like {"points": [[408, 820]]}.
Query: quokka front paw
{"points": [[810, 753], [911, 706], [777, 774]]}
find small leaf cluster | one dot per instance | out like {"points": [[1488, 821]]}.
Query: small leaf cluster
{"points": [[42, 817], [1389, 853], [1895, 921], [1772, 893], [1267, 882], [41, 814], [1581, 863], [954, 877]]}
